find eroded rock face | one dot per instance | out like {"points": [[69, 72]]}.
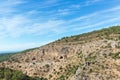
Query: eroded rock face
{"points": [[94, 59]]}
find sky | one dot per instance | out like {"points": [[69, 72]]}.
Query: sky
{"points": [[26, 24]]}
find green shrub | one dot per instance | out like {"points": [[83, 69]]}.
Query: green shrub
{"points": [[70, 70], [6, 56], [115, 55], [80, 55], [9, 74], [61, 78]]}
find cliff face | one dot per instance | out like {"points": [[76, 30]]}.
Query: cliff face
{"points": [[90, 56]]}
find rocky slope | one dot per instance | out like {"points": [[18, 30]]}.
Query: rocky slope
{"points": [[89, 56]]}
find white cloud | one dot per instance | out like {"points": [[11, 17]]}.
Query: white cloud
{"points": [[19, 25], [94, 20], [46, 27], [63, 12], [98, 16], [51, 1], [21, 46], [75, 7], [13, 26], [89, 2], [8, 6], [98, 24]]}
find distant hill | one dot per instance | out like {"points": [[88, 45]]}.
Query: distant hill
{"points": [[89, 56]]}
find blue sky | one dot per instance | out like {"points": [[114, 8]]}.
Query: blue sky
{"points": [[31, 23]]}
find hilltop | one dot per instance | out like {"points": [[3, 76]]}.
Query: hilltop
{"points": [[89, 56]]}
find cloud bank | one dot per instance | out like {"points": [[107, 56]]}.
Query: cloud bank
{"points": [[19, 19]]}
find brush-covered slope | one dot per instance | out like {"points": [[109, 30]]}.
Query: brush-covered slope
{"points": [[9, 74], [5, 56], [90, 56]]}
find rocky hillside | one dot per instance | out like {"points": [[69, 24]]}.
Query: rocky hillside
{"points": [[90, 56]]}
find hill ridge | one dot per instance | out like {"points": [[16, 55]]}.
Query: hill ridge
{"points": [[90, 56]]}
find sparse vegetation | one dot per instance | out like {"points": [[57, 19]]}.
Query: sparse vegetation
{"points": [[5, 56], [9, 74], [115, 55], [91, 57], [70, 70], [47, 65], [80, 55], [27, 50], [101, 34]]}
